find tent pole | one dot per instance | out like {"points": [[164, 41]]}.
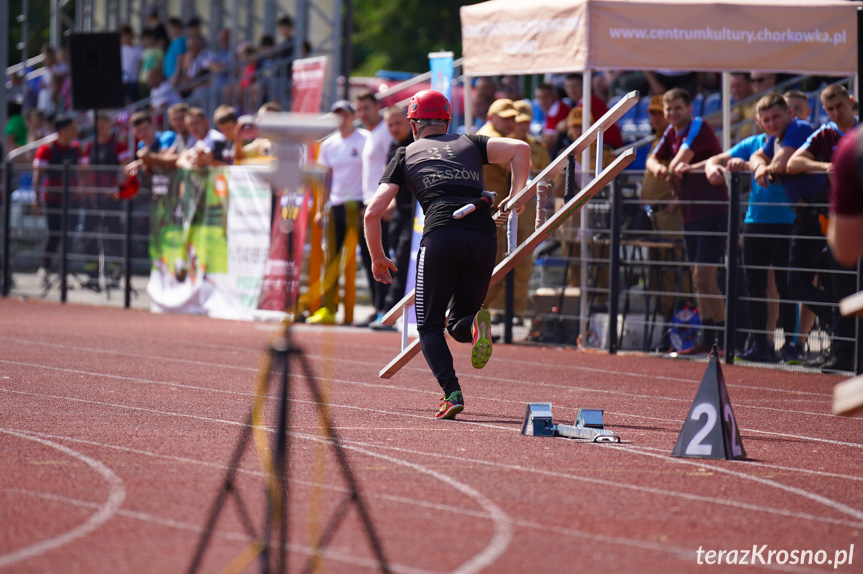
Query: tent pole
{"points": [[587, 83], [859, 53], [726, 110], [468, 106]]}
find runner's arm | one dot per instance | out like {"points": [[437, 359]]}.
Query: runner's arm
{"points": [[517, 153], [381, 265]]}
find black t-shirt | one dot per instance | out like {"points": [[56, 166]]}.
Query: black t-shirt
{"points": [[404, 198], [439, 167]]}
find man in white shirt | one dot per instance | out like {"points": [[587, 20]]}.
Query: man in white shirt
{"points": [[204, 146], [375, 153], [130, 61], [341, 154]]}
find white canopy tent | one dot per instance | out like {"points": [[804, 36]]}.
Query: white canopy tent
{"points": [[516, 37], [798, 36]]}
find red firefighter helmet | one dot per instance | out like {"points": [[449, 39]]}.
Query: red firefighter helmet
{"points": [[429, 105]]}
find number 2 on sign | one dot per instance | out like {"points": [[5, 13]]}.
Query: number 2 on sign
{"points": [[729, 418], [695, 446]]}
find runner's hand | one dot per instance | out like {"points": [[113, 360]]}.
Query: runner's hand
{"points": [[381, 270]]}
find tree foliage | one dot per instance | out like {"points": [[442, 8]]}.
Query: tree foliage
{"points": [[400, 35], [39, 27]]}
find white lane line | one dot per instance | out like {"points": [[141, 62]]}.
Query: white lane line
{"points": [[502, 537], [746, 430], [678, 552], [502, 523], [380, 385], [492, 464], [789, 470], [223, 534], [313, 356], [116, 496], [667, 378], [621, 485], [843, 508], [176, 384], [738, 404]]}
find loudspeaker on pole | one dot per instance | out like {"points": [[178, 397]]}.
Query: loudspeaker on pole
{"points": [[710, 430], [96, 71]]}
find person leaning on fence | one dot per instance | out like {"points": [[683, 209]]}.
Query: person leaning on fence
{"points": [[48, 185], [808, 260], [225, 119], [845, 228], [204, 146], [766, 242], [341, 154], [374, 161], [666, 221], [704, 206], [151, 144], [251, 147], [456, 257], [816, 155]]}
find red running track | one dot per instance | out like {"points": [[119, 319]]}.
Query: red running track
{"points": [[116, 426]]}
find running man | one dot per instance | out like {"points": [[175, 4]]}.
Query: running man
{"points": [[456, 258]]}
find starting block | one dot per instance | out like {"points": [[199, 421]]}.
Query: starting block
{"points": [[588, 425]]}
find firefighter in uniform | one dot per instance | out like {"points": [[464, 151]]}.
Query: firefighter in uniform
{"points": [[457, 256]]}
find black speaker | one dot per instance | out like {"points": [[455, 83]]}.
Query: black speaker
{"points": [[96, 71]]}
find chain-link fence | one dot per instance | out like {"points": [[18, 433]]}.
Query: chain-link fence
{"points": [[615, 277], [78, 242]]}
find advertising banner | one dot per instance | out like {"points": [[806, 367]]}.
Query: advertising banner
{"points": [[208, 243], [307, 84], [800, 36]]}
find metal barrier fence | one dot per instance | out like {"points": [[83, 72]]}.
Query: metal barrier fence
{"points": [[640, 293], [81, 244], [772, 297]]}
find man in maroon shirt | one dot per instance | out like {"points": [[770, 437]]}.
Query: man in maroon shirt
{"points": [[48, 184], [816, 155], [845, 229], [688, 140]]}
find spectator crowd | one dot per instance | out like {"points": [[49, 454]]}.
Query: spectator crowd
{"points": [[790, 278]]}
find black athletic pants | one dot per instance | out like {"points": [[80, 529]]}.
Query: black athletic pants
{"points": [[759, 252], [809, 252], [453, 264]]}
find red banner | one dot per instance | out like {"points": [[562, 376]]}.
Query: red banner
{"points": [[281, 284], [307, 84]]}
